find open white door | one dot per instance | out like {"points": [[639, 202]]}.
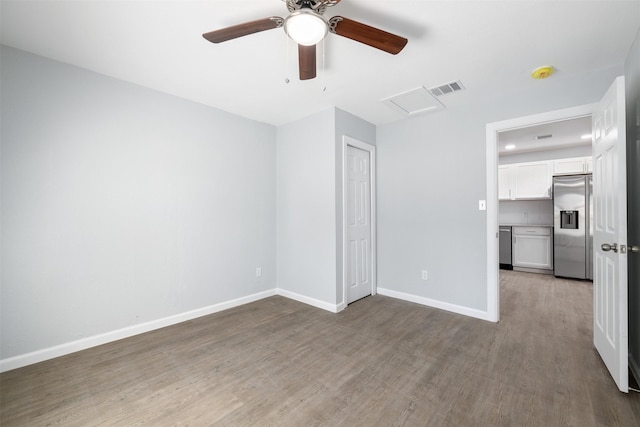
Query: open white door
{"points": [[610, 328]]}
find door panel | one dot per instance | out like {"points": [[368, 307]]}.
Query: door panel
{"points": [[358, 224], [610, 227]]}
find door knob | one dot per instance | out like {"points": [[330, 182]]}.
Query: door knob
{"points": [[609, 247], [635, 249]]}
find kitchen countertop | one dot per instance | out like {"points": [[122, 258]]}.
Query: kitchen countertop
{"points": [[525, 225]]}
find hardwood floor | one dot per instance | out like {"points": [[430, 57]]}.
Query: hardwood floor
{"points": [[381, 362]]}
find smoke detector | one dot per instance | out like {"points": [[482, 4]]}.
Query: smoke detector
{"points": [[542, 72]]}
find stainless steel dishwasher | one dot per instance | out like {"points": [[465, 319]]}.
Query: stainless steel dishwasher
{"points": [[505, 247]]}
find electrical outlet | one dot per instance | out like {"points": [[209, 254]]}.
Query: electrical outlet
{"points": [[425, 275], [259, 272]]}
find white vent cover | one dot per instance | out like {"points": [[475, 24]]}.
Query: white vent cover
{"points": [[415, 101], [446, 88]]}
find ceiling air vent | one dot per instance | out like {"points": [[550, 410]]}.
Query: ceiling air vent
{"points": [[446, 88]]}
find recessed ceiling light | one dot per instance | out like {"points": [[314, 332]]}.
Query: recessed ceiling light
{"points": [[586, 136], [509, 146]]}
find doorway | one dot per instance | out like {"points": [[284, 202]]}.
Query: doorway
{"points": [[530, 159], [493, 131], [359, 219]]}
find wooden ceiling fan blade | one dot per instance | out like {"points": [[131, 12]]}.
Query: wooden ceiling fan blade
{"points": [[307, 61], [366, 34], [235, 31]]}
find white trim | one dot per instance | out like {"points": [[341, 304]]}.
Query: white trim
{"points": [[85, 343], [348, 141], [333, 308], [493, 288], [472, 312]]}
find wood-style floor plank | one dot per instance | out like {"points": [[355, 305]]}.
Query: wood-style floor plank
{"points": [[380, 362]]}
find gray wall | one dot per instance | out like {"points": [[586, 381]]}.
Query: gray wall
{"points": [[632, 82], [525, 212], [431, 174], [306, 221], [122, 205]]}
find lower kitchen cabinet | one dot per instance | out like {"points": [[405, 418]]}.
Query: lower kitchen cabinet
{"points": [[532, 247]]}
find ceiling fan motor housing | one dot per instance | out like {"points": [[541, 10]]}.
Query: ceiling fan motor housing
{"points": [[315, 5]]}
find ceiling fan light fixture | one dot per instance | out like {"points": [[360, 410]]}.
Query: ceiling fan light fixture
{"points": [[306, 27]]}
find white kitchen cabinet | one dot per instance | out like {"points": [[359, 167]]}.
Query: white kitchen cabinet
{"points": [[505, 182], [533, 180], [572, 165], [533, 247], [525, 181]]}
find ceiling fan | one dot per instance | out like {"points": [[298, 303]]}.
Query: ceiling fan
{"points": [[307, 26]]}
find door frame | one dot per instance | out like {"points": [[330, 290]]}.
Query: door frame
{"points": [[348, 141], [492, 129]]}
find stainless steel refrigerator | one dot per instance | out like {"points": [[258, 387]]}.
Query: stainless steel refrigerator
{"points": [[572, 226]]}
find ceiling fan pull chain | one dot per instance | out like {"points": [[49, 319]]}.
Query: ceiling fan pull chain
{"points": [[324, 75], [286, 61]]}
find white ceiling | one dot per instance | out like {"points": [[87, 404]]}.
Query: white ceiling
{"points": [[560, 134], [489, 45]]}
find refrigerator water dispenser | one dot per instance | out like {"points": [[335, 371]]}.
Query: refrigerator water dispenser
{"points": [[569, 219]]}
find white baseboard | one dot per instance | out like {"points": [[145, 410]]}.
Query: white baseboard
{"points": [[472, 312], [308, 300], [84, 343]]}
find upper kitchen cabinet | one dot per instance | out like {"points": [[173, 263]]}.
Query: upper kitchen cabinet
{"points": [[572, 165], [525, 181], [505, 182]]}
